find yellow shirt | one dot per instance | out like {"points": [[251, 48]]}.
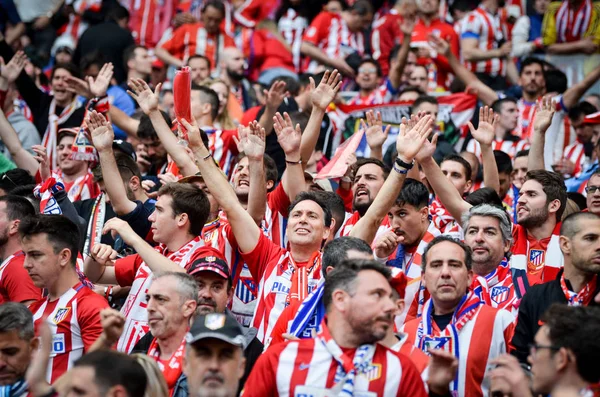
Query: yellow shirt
{"points": [[549, 29]]}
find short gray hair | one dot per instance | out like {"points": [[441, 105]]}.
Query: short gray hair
{"points": [[490, 211], [187, 288], [16, 317]]}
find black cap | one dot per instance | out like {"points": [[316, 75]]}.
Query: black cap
{"points": [[220, 326], [125, 147]]}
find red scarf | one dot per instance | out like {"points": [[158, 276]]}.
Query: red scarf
{"points": [[299, 287], [172, 368], [571, 25], [581, 298]]}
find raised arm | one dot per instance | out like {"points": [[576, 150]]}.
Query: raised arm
{"points": [[124, 122], [376, 135], [274, 97], [252, 144], [408, 144], [444, 189], [13, 72], [102, 137], [245, 230], [485, 93], [320, 97], [314, 52], [148, 101], [574, 93], [484, 134], [166, 56], [289, 139], [542, 121], [397, 67], [471, 52], [22, 158]]}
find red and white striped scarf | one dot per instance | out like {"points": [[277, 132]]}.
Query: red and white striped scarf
{"points": [[553, 260], [497, 288], [172, 368], [443, 220], [581, 298], [51, 134], [299, 288], [571, 24]]}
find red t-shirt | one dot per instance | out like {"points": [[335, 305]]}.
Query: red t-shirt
{"points": [[15, 283]]}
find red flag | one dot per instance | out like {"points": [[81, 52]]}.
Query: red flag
{"points": [[182, 92], [337, 167]]}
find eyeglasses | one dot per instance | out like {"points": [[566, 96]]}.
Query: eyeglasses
{"points": [[592, 189], [4, 176], [534, 347], [367, 70]]}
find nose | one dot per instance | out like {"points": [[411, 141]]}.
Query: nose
{"points": [[204, 293], [479, 236], [152, 217], [445, 271]]}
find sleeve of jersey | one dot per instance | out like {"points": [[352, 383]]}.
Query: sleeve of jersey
{"points": [[411, 383], [314, 33], [549, 33], [248, 13], [262, 381], [176, 42], [88, 317], [264, 253], [441, 61], [125, 269], [278, 200], [346, 195], [18, 284], [470, 27], [523, 334]]}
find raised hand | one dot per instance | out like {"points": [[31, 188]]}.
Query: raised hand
{"points": [[410, 141], [275, 95], [374, 131], [103, 253], [407, 24], [100, 84], [78, 86], [328, 88], [440, 45], [428, 149], [194, 137], [488, 121], [101, 131], [289, 138], [122, 228], [543, 114], [143, 95], [252, 141], [12, 69], [113, 323], [42, 157], [386, 244]]}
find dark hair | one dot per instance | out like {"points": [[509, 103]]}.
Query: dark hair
{"points": [[299, 118], [127, 167], [522, 153], [345, 274], [129, 54], [361, 7], [304, 79], [60, 231], [484, 195], [218, 4], [373, 62], [443, 238], [576, 328], [208, 95], [115, 369], [16, 317], [413, 193], [423, 99], [336, 205], [337, 249], [188, 199], [531, 61], [556, 81], [582, 109], [303, 196], [291, 84], [271, 173], [198, 56], [91, 58], [69, 67], [459, 159], [14, 178], [503, 162], [570, 226], [369, 160], [497, 104], [146, 129], [578, 198], [26, 191], [17, 207], [554, 187], [116, 13], [412, 88]]}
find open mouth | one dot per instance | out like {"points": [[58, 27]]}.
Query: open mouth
{"points": [[244, 182], [362, 192], [302, 231]]}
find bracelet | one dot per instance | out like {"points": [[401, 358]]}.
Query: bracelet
{"points": [[402, 164], [293, 162], [207, 156], [401, 171]]}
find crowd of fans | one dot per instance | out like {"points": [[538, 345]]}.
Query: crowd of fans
{"points": [[264, 198]]}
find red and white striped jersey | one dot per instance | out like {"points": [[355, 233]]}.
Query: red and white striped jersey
{"points": [[252, 12], [144, 17], [329, 32], [484, 337], [272, 270], [351, 221], [132, 271], [418, 358], [508, 146], [575, 153], [82, 188], [490, 31], [15, 283], [385, 35], [74, 320], [292, 27], [526, 112], [76, 26], [444, 221], [223, 148], [382, 94], [306, 368]]}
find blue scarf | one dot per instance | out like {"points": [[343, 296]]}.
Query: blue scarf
{"points": [[17, 389], [310, 313]]}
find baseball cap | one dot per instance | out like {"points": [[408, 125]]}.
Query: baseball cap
{"points": [[66, 131], [324, 184], [220, 326], [210, 260], [125, 147], [197, 177]]}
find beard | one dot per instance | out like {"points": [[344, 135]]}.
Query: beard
{"points": [[535, 218], [3, 238], [362, 207], [235, 75], [203, 310], [365, 331]]}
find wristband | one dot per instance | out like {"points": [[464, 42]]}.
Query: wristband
{"points": [[207, 156], [293, 162], [400, 163], [401, 171]]}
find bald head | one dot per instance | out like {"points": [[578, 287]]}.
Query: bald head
{"points": [[233, 64]]}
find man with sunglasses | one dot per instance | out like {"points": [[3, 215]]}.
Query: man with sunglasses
{"points": [[575, 285]]}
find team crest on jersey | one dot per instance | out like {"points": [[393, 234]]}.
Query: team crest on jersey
{"points": [[373, 372], [536, 259], [437, 342], [61, 314], [245, 290], [500, 294]]}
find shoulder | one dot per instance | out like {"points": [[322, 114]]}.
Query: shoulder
{"points": [[89, 300]]}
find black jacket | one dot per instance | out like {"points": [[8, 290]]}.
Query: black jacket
{"points": [[534, 304]]}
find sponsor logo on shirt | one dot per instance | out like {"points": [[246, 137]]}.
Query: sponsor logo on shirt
{"points": [[58, 344]]}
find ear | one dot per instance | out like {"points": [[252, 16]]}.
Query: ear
{"points": [[328, 269], [188, 308], [554, 206], [242, 367], [340, 299], [270, 185], [134, 183], [117, 391], [468, 186], [424, 213], [399, 306], [328, 230], [206, 108], [182, 219], [64, 256], [562, 358], [230, 293], [34, 345], [469, 278], [13, 228], [565, 244]]}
